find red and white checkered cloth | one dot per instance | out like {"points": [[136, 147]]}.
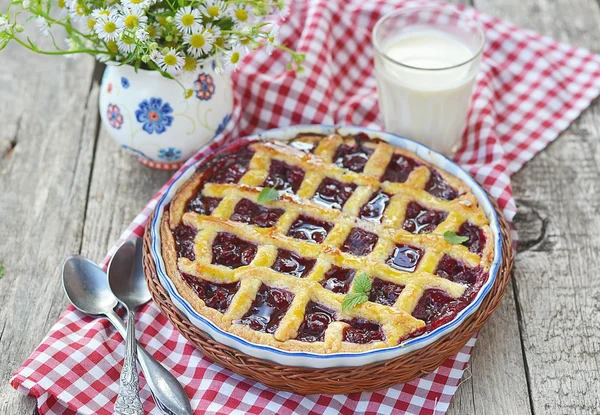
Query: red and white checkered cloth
{"points": [[529, 90]]}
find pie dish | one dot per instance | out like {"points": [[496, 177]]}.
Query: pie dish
{"points": [[273, 274]]}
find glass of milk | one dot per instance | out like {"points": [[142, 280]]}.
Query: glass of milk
{"points": [[426, 59]]}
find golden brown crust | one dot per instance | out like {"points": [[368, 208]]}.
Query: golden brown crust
{"points": [[396, 320]]}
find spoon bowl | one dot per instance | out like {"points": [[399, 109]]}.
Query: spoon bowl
{"points": [[126, 275], [87, 287]]}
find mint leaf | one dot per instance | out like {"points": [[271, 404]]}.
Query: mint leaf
{"points": [[454, 239], [362, 283], [268, 194], [353, 299]]}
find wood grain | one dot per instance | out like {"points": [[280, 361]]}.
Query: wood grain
{"points": [[556, 290], [47, 140]]}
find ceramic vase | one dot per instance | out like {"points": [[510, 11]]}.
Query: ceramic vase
{"points": [[150, 116]]}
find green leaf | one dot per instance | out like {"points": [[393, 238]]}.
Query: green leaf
{"points": [[353, 299], [454, 239], [268, 194], [362, 284], [1, 271]]}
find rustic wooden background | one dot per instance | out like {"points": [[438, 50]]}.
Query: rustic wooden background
{"points": [[67, 188]]}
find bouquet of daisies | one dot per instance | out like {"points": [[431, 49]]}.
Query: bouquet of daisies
{"points": [[169, 36]]}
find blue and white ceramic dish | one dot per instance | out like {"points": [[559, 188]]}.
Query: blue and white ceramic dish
{"points": [[304, 359]]}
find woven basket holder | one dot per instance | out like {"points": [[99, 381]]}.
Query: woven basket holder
{"points": [[339, 380]]}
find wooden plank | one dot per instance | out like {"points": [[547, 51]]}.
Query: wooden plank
{"points": [[119, 189], [46, 148], [557, 291]]}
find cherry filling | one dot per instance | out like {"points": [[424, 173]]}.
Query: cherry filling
{"points": [[438, 187], [217, 296], [436, 307], [419, 219], [309, 229], [202, 205], [288, 262], [405, 258], [284, 177], [399, 169], [384, 292], [374, 208], [359, 242], [251, 213], [268, 308], [184, 241], [231, 251], [476, 241], [229, 168], [338, 279], [352, 157], [457, 271], [333, 193], [362, 331], [316, 320]]}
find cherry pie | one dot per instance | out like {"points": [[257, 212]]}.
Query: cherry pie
{"points": [[276, 272]]}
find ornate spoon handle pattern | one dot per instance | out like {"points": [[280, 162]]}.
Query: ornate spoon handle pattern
{"points": [[128, 401]]}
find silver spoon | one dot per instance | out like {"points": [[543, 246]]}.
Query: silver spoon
{"points": [[86, 286]]}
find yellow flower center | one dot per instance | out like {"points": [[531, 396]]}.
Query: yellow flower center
{"points": [[190, 64], [111, 45], [170, 60], [110, 27], [151, 31], [105, 12], [128, 41], [80, 10], [137, 1], [220, 42], [241, 15], [245, 41], [61, 4], [235, 57], [91, 23], [213, 11], [131, 21], [187, 20], [197, 41]]}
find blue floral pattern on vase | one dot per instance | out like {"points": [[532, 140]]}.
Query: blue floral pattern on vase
{"points": [[205, 87], [125, 82], [223, 124], [115, 118], [169, 154], [154, 115]]}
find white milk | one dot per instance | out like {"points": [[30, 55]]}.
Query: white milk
{"points": [[429, 106]]}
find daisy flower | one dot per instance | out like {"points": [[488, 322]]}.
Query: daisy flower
{"points": [[137, 4], [126, 45], [214, 9], [43, 25], [106, 28], [142, 35], [131, 19], [188, 20], [232, 59], [98, 13], [271, 38], [198, 43], [190, 64], [239, 14], [170, 62], [77, 12]]}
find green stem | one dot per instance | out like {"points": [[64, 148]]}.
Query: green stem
{"points": [[64, 52]]}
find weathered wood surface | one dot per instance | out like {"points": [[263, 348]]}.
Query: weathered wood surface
{"points": [[67, 189]]}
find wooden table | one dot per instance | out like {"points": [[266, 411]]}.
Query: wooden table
{"points": [[67, 188]]}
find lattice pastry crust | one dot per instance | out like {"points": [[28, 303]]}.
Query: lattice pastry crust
{"points": [[275, 273]]}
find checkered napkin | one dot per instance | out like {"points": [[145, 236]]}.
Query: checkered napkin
{"points": [[530, 88]]}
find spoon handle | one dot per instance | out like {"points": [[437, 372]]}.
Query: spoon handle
{"points": [[169, 395], [128, 401]]}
